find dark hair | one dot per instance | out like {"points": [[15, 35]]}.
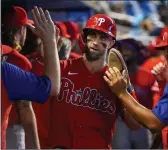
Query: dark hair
{"points": [[139, 52], [31, 44], [8, 36]]}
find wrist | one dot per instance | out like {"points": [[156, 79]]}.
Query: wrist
{"points": [[49, 41], [122, 94]]}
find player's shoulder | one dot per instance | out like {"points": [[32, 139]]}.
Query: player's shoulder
{"points": [[19, 60]]}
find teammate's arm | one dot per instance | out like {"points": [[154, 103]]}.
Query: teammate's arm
{"points": [[20, 84], [130, 121], [45, 29], [28, 120], [143, 115]]}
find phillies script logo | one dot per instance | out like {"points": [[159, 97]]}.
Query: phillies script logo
{"points": [[86, 97]]}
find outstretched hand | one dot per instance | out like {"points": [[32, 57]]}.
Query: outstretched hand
{"points": [[116, 81], [43, 25], [160, 71]]}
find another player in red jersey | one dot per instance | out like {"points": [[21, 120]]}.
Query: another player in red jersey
{"points": [[85, 111], [160, 72], [14, 20], [18, 84]]}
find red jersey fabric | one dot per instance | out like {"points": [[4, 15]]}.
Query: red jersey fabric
{"points": [[5, 110], [86, 107], [157, 92], [19, 60], [142, 81], [152, 61]]}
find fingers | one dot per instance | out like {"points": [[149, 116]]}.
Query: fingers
{"points": [[107, 80], [158, 68], [158, 71], [43, 17], [31, 27], [124, 74], [153, 72], [48, 17], [113, 74], [117, 73], [35, 18], [110, 74], [40, 17], [37, 15], [57, 33]]}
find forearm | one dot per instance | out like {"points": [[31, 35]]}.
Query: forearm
{"points": [[52, 65], [130, 121], [139, 112], [28, 121]]}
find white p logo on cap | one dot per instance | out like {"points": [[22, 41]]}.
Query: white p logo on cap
{"points": [[100, 21]]}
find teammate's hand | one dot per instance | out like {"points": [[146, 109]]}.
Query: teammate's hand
{"points": [[160, 71], [116, 81], [44, 26]]}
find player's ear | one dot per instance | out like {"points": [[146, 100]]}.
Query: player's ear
{"points": [[111, 44]]}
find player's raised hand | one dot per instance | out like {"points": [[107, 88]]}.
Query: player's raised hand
{"points": [[44, 26], [116, 81], [160, 71]]}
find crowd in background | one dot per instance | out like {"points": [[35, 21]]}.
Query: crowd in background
{"points": [[143, 27]]}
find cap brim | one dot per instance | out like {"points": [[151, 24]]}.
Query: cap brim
{"points": [[101, 30], [161, 46], [67, 36], [30, 21]]}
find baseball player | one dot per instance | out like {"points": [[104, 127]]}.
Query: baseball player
{"points": [[85, 110], [13, 34], [18, 84], [160, 72], [155, 119]]}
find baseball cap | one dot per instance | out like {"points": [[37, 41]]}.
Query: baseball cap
{"points": [[165, 29], [163, 43], [72, 29], [15, 17], [5, 49], [63, 29]]}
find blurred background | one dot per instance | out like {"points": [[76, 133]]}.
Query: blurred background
{"points": [[149, 15]]}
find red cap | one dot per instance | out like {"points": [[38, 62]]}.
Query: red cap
{"points": [[63, 29], [30, 21], [72, 29], [15, 18], [152, 44], [165, 29], [6, 49], [102, 23], [163, 43]]}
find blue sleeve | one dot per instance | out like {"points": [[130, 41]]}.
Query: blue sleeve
{"points": [[21, 85], [161, 109]]}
